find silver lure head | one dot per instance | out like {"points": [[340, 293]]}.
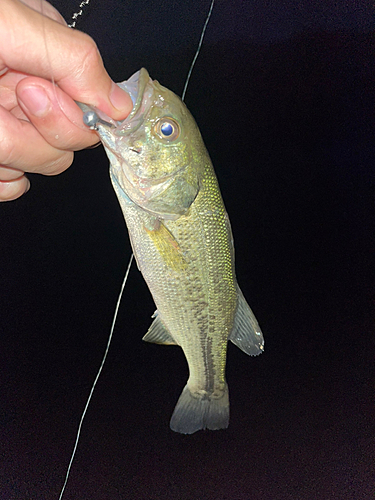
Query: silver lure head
{"points": [[155, 152]]}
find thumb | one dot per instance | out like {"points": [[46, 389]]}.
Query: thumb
{"points": [[37, 45]]}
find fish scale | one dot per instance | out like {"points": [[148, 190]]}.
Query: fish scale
{"points": [[199, 290]]}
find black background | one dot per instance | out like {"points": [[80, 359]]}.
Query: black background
{"points": [[283, 93]]}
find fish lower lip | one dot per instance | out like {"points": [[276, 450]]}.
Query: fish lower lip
{"points": [[136, 150]]}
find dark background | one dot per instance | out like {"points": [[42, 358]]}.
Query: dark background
{"points": [[283, 93]]}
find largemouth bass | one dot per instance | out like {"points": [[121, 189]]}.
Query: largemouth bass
{"points": [[182, 241]]}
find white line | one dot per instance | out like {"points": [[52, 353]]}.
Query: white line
{"points": [[198, 49], [97, 376]]}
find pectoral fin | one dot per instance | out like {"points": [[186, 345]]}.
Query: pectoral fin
{"points": [[167, 246], [158, 333], [246, 333]]}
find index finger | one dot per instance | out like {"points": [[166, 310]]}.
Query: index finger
{"points": [[35, 44]]}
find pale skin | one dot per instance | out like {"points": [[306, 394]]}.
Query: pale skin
{"points": [[40, 124]]}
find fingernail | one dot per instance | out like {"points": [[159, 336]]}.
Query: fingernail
{"points": [[35, 100], [120, 99]]}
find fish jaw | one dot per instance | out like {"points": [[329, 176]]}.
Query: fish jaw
{"points": [[158, 174]]}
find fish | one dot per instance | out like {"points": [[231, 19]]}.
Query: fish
{"points": [[182, 241]]}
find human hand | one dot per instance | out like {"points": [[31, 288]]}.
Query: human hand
{"points": [[40, 124]]}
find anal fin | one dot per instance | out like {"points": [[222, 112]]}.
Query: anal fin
{"points": [[158, 332]]}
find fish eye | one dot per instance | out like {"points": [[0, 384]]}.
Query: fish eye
{"points": [[167, 128]]}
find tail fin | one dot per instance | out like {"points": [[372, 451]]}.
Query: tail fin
{"points": [[192, 414]]}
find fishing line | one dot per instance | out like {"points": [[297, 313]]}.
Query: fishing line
{"points": [[97, 375], [198, 49], [72, 25]]}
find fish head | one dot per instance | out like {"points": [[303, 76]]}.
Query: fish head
{"points": [[156, 152]]}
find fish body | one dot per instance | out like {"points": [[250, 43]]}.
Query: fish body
{"points": [[182, 241]]}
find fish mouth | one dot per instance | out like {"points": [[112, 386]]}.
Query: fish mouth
{"points": [[135, 86], [141, 93], [141, 96]]}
